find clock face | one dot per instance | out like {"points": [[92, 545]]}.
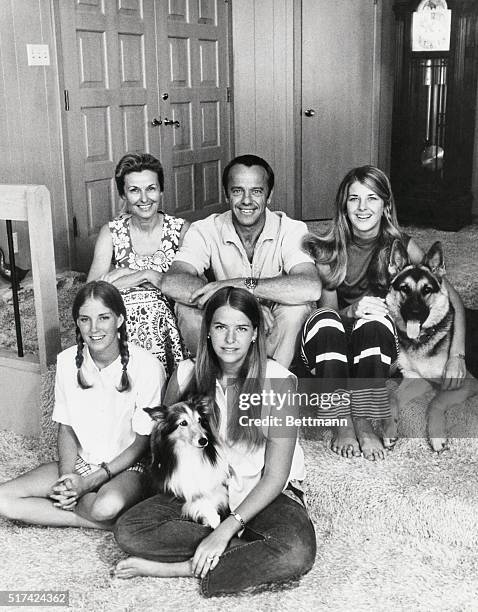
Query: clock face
{"points": [[431, 26]]}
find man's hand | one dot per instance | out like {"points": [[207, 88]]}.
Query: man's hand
{"points": [[200, 296]]}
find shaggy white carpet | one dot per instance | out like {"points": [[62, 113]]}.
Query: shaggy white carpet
{"points": [[401, 534]]}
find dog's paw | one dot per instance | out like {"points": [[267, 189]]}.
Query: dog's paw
{"points": [[439, 445], [211, 520]]}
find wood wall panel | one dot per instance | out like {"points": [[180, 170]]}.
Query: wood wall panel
{"points": [[177, 10], [385, 85], [182, 135], [208, 61], [184, 188], [132, 60], [91, 58], [211, 180], [263, 69], [180, 62], [96, 123], [91, 4], [130, 7], [30, 134], [208, 12], [100, 204], [474, 181], [135, 128], [210, 124]]}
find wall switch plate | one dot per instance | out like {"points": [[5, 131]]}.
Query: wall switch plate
{"points": [[38, 55]]}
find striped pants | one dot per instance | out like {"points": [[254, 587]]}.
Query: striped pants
{"points": [[361, 357]]}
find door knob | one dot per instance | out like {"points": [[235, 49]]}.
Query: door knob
{"points": [[310, 112], [155, 122], [171, 122]]}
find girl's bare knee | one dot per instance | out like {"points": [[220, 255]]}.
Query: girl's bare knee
{"points": [[106, 507]]}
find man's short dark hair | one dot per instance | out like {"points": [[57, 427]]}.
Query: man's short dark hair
{"points": [[137, 162], [249, 160]]}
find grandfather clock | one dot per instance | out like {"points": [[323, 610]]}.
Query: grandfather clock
{"points": [[434, 111]]}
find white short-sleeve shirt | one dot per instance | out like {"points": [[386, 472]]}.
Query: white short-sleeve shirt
{"points": [[213, 244], [246, 465], [104, 420]]}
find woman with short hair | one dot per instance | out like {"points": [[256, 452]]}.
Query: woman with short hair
{"points": [[141, 243]]}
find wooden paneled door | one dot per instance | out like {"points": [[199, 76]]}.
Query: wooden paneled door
{"points": [[142, 75], [339, 100], [193, 72]]}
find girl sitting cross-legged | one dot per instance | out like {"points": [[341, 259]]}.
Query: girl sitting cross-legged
{"points": [[101, 387], [268, 537]]}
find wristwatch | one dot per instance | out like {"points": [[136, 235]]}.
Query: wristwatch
{"points": [[251, 283]]}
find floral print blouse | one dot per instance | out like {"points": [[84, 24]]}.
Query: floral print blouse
{"points": [[124, 256]]}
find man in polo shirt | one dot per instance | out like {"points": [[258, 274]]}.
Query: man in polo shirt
{"points": [[251, 247]]}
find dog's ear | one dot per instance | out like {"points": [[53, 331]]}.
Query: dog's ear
{"points": [[398, 258], [434, 259], [157, 413], [201, 402]]}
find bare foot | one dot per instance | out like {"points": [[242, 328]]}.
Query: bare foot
{"points": [[345, 443], [135, 566], [439, 445], [390, 433], [370, 444]]}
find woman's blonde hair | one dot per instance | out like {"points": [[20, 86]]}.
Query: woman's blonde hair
{"points": [[331, 248]]}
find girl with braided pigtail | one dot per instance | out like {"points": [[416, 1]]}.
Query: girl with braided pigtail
{"points": [[102, 385], [79, 360], [124, 354]]}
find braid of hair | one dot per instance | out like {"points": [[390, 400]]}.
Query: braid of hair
{"points": [[79, 361], [124, 352]]}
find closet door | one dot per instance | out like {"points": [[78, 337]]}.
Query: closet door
{"points": [[340, 96], [195, 109], [108, 52], [142, 76]]}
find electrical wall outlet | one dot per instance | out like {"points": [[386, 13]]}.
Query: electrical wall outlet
{"points": [[38, 55], [15, 242]]}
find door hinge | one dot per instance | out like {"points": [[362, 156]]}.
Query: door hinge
{"points": [[228, 94], [67, 99], [75, 227]]}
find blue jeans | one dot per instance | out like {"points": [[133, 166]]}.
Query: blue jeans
{"points": [[278, 544]]}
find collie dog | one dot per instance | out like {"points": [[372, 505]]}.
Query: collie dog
{"points": [[187, 460]]}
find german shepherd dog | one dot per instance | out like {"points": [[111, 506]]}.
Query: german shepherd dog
{"points": [[419, 303], [187, 460]]}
